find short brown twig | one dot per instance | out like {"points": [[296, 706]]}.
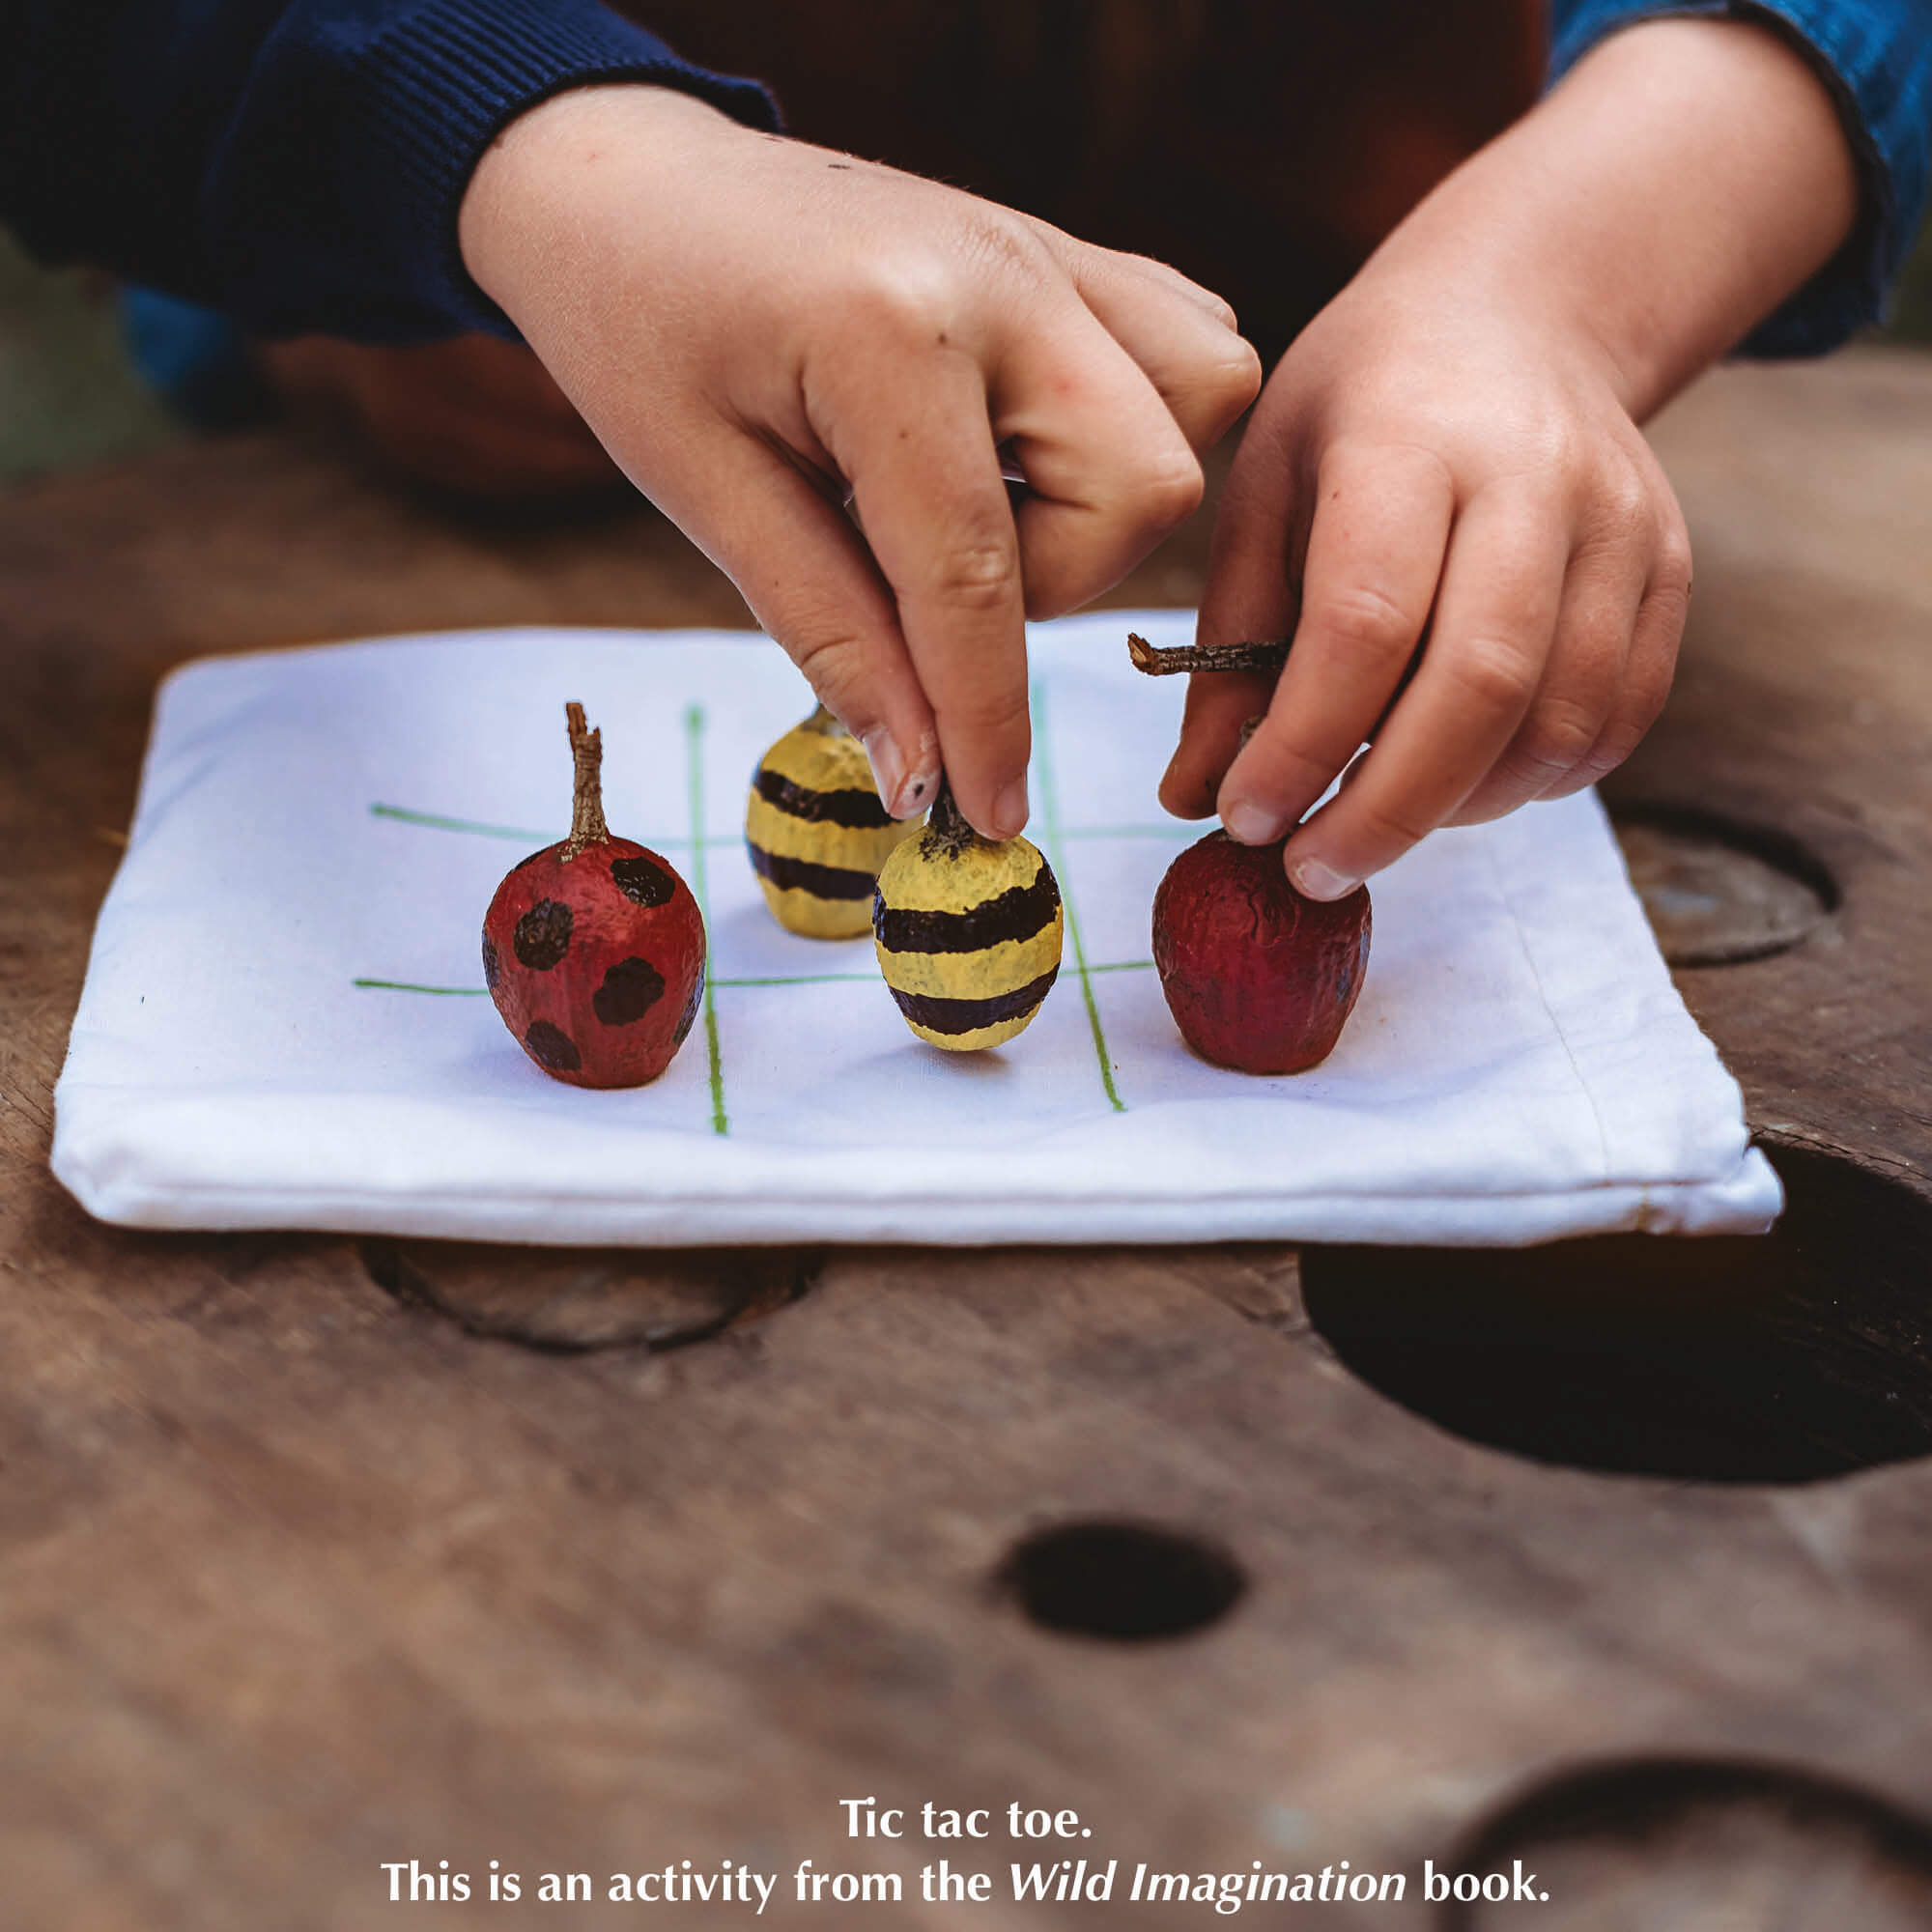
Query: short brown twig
{"points": [[1158, 663]]}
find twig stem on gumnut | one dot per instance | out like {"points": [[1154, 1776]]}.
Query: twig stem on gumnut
{"points": [[586, 799], [1158, 663], [945, 824]]}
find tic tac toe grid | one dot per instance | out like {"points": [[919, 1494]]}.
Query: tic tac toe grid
{"points": [[285, 1021], [693, 850]]}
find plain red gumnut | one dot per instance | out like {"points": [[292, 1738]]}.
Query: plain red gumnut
{"points": [[593, 949], [1258, 977]]}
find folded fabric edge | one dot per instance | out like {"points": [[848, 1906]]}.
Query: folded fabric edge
{"points": [[1746, 1202]]}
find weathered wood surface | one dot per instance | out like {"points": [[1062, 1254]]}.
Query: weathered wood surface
{"points": [[300, 1574]]}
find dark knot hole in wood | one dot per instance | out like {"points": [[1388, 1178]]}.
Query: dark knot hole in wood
{"points": [[569, 1300], [1130, 1582], [1795, 1356], [1719, 892], [1689, 1842]]}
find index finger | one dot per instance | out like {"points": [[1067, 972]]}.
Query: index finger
{"points": [[925, 478], [1380, 524], [1496, 616]]}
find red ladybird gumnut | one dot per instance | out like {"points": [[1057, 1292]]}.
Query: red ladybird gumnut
{"points": [[1257, 977], [593, 949]]}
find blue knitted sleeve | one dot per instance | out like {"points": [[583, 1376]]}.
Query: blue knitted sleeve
{"points": [[298, 165], [1876, 58]]}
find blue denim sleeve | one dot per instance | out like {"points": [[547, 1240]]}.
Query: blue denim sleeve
{"points": [[296, 165], [1876, 57]]}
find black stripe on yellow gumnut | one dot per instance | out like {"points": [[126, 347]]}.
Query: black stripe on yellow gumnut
{"points": [[801, 875], [1017, 913], [952, 1019], [858, 809], [968, 932], [817, 831]]}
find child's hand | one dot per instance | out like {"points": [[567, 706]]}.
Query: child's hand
{"points": [[1431, 452], [1452, 443], [753, 326]]}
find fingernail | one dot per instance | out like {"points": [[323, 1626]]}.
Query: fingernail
{"points": [[1010, 811], [1314, 880], [1251, 824], [903, 791], [922, 787], [889, 772]]}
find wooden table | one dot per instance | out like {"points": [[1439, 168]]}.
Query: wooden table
{"points": [[316, 1557]]}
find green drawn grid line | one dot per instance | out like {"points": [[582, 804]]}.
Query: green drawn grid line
{"points": [[693, 746], [696, 842], [723, 986], [524, 835], [1049, 801], [411, 987]]}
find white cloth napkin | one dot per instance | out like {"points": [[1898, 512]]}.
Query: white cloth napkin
{"points": [[284, 1026]]}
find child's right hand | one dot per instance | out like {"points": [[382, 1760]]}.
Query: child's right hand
{"points": [[753, 326]]}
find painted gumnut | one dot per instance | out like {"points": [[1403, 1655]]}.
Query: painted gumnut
{"points": [[1257, 977], [817, 832], [593, 949], [968, 932]]}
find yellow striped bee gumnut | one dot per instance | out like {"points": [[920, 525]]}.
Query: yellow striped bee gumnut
{"points": [[968, 932], [817, 831]]}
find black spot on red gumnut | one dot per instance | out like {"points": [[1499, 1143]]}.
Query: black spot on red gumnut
{"points": [[644, 881], [543, 935], [490, 965], [533, 858], [630, 990], [552, 1047], [690, 1014]]}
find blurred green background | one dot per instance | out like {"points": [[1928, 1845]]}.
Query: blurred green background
{"points": [[67, 397]]}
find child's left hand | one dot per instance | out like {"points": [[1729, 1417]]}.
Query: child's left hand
{"points": [[1452, 446], [1432, 453]]}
